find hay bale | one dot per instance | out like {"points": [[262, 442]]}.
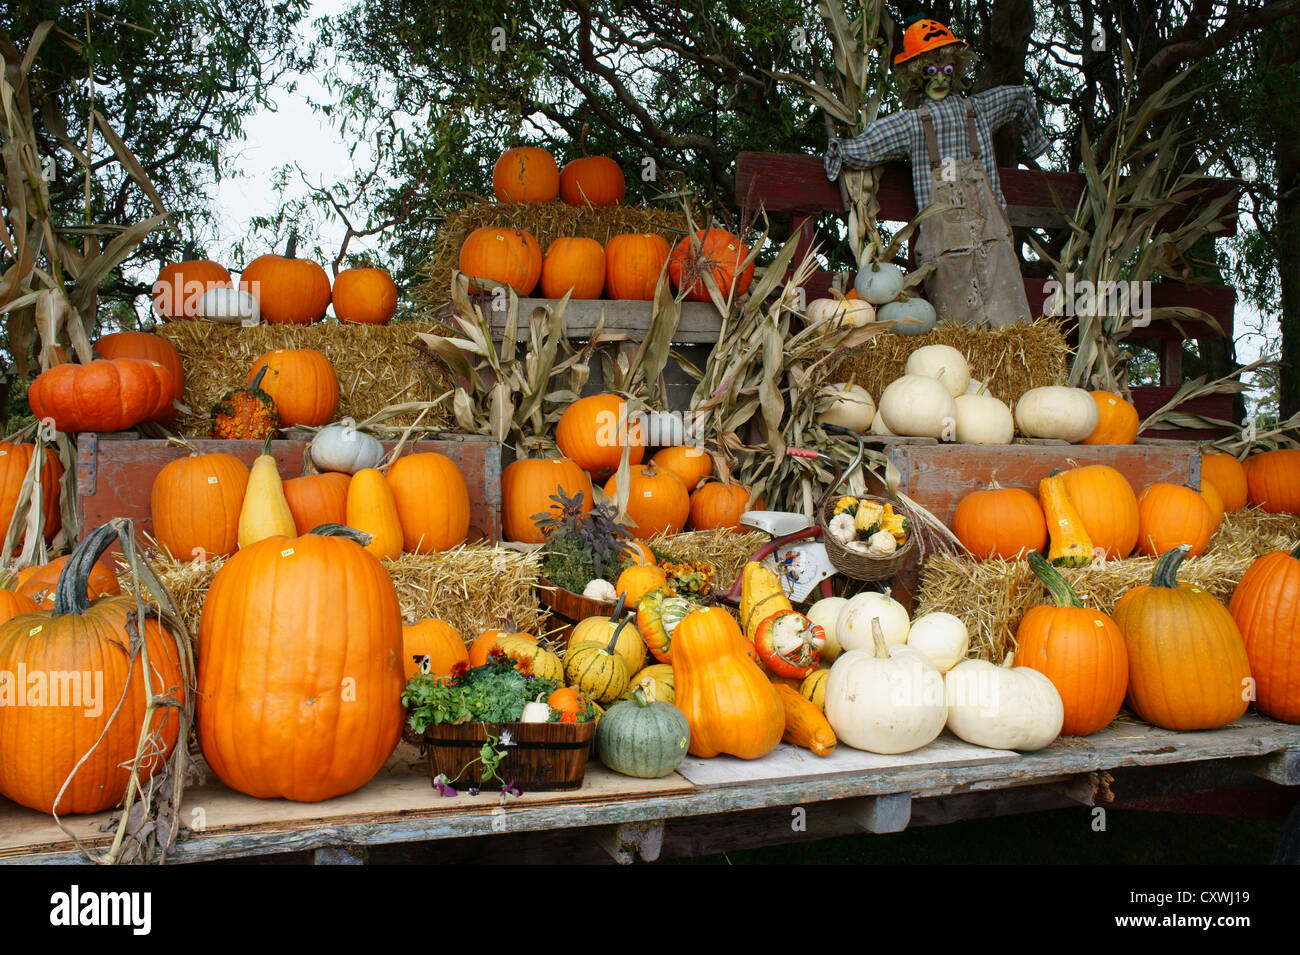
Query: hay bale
{"points": [[992, 596], [1009, 360], [376, 366], [472, 587], [726, 550], [546, 221]]}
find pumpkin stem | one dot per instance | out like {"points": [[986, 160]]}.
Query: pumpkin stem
{"points": [[618, 607], [1060, 588], [641, 692], [291, 249], [72, 593], [341, 530], [266, 445], [256, 383], [878, 638], [1296, 553], [613, 640], [1166, 572]]}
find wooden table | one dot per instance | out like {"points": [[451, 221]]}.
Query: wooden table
{"points": [[708, 806]]}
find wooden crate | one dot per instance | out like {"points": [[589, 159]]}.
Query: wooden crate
{"points": [[115, 474]]}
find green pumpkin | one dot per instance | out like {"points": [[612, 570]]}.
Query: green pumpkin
{"points": [[643, 739]]}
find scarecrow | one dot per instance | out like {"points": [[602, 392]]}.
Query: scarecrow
{"points": [[947, 136]]}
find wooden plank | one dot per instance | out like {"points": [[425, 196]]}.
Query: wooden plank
{"points": [[634, 842], [700, 321], [115, 478], [940, 476], [881, 814], [1280, 768]]}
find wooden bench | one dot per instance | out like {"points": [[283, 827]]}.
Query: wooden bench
{"points": [[797, 185]]}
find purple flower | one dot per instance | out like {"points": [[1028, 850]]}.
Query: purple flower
{"points": [[440, 784], [511, 788], [472, 791]]}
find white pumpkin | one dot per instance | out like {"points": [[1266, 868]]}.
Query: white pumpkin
{"points": [[341, 447], [825, 613], [984, 419], [1002, 707], [1054, 411], [879, 283], [878, 426], [535, 712], [975, 387], [853, 625], [888, 699], [850, 407], [600, 589], [850, 312], [940, 636], [229, 306], [942, 362], [919, 407]]}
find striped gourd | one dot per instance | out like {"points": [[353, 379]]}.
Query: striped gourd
{"points": [[597, 630], [598, 671], [813, 687], [545, 664], [657, 616], [643, 739], [660, 676]]}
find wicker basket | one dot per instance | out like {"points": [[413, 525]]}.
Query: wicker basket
{"points": [[542, 757], [865, 566]]}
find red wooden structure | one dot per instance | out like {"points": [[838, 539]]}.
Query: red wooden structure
{"points": [[797, 184]]}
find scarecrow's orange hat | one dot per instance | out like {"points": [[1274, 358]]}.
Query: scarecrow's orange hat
{"points": [[924, 35]]}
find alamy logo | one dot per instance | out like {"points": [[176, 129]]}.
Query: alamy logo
{"points": [[75, 907], [82, 689], [1098, 299]]}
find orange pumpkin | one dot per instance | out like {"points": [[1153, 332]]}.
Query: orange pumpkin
{"points": [[720, 253], [715, 505], [633, 264], [657, 501], [510, 256], [640, 553], [1080, 650], [1117, 420], [180, 285], [527, 486], [573, 266], [13, 603], [317, 499], [195, 504], [432, 502], [525, 174], [435, 639], [593, 431], [1005, 523], [294, 633], [289, 290], [364, 296], [689, 463], [1188, 668], [1273, 481], [15, 460], [105, 395], [1107, 507], [302, 383], [1228, 477], [1169, 515], [730, 705], [372, 510], [39, 582], [637, 580], [567, 699], [1215, 500], [592, 180], [1266, 608], [153, 348], [485, 641]]}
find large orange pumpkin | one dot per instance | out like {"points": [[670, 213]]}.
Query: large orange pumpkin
{"points": [[1117, 420], [1273, 480], [105, 395], [1106, 505], [77, 718], [180, 285], [195, 503], [525, 174], [633, 263], [302, 383], [1080, 650], [317, 499], [527, 486], [39, 582], [15, 460], [573, 266], [657, 501], [1002, 522], [148, 347], [593, 431], [1228, 477], [364, 296], [592, 180], [720, 253], [300, 672], [689, 463], [1169, 515], [1266, 607], [715, 505], [436, 640], [289, 290], [510, 256], [432, 502], [1188, 668], [1215, 500], [730, 705]]}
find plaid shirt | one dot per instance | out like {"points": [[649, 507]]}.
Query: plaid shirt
{"points": [[901, 136]]}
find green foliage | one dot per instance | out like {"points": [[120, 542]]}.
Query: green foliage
{"points": [[493, 693], [581, 547]]}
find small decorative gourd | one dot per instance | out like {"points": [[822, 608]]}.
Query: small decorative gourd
{"points": [[598, 671], [341, 447]]}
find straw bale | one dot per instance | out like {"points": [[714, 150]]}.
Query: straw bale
{"points": [[376, 366], [546, 221], [1009, 360], [992, 596], [725, 549]]}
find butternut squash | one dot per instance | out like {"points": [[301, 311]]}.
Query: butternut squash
{"points": [[265, 511], [804, 723], [1070, 545], [761, 595], [372, 509]]}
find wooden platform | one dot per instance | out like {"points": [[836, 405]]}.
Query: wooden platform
{"points": [[627, 817], [700, 321]]}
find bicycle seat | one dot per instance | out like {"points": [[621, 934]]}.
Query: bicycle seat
{"points": [[776, 523]]}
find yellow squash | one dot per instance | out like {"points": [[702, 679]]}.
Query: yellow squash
{"points": [[265, 511], [372, 509], [761, 595]]}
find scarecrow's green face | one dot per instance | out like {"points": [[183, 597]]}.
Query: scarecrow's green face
{"points": [[938, 74], [933, 75]]}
